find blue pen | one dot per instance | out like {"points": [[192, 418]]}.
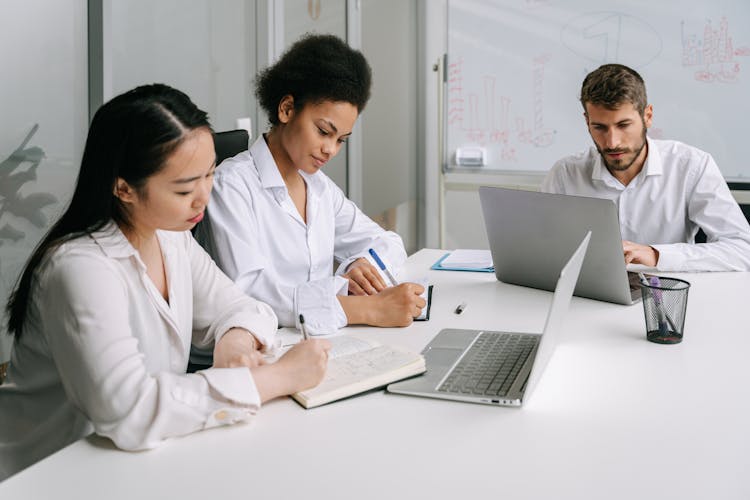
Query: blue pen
{"points": [[383, 268]]}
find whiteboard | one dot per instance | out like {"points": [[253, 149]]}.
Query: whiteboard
{"points": [[514, 71]]}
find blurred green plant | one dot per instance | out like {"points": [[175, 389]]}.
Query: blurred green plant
{"points": [[16, 170]]}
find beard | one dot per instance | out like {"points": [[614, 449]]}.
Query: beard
{"points": [[627, 161]]}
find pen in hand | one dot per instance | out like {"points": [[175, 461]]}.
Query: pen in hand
{"points": [[383, 268], [302, 327]]}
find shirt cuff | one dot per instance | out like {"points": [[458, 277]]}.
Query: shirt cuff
{"points": [[670, 258], [235, 385], [261, 322], [317, 301], [236, 397]]}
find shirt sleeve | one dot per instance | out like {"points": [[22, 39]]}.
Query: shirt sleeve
{"points": [[711, 207], [552, 182], [219, 304], [234, 234], [356, 234], [86, 311]]}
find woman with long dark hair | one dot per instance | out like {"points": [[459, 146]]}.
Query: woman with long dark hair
{"points": [[110, 301]]}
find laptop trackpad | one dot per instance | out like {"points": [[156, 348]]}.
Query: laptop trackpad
{"points": [[441, 357]]}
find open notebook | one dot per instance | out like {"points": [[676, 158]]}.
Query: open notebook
{"points": [[357, 365]]}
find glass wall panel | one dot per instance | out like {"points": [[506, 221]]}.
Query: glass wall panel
{"points": [[44, 106], [206, 48]]}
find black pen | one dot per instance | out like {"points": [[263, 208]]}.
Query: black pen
{"points": [[302, 327], [460, 308]]}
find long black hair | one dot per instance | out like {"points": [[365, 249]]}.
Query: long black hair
{"points": [[315, 68], [130, 138]]}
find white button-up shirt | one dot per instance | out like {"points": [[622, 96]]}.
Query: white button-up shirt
{"points": [[102, 351], [259, 239], [679, 191]]}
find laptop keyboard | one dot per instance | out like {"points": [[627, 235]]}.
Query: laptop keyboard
{"points": [[634, 281], [635, 285], [490, 365]]}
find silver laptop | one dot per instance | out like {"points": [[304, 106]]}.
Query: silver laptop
{"points": [[496, 368], [531, 235]]}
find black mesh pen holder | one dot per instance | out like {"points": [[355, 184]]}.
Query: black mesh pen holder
{"points": [[664, 307]]}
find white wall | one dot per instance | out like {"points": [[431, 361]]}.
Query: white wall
{"points": [[389, 122]]}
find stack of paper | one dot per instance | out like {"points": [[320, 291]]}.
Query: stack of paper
{"points": [[468, 259]]}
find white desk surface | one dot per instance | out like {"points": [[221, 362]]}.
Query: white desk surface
{"points": [[613, 417]]}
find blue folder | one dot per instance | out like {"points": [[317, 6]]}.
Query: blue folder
{"points": [[437, 266]]}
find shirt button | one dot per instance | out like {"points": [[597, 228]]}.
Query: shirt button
{"points": [[221, 415]]}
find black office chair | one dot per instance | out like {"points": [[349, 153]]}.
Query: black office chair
{"points": [[700, 237], [226, 144], [230, 143]]}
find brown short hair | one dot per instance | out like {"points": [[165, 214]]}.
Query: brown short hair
{"points": [[612, 85]]}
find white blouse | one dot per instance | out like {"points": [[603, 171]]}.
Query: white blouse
{"points": [[102, 351], [259, 239], [679, 190]]}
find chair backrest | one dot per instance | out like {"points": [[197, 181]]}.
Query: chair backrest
{"points": [[230, 143], [227, 144], [700, 237]]}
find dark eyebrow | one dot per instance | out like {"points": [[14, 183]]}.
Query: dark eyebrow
{"points": [[330, 124], [187, 180], [335, 130]]}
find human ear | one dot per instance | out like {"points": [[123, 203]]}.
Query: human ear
{"points": [[286, 108], [648, 115], [124, 191]]}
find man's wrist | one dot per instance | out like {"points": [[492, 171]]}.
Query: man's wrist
{"points": [[656, 256]]}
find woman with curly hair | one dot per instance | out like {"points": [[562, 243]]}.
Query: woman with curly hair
{"points": [[276, 222]]}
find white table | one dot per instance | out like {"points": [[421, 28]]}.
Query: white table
{"points": [[614, 417]]}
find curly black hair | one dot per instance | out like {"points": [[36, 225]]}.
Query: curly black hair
{"points": [[316, 68]]}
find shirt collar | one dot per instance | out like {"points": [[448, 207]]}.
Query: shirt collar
{"points": [[265, 164], [113, 242], [268, 171], [652, 166], [115, 245], [599, 171]]}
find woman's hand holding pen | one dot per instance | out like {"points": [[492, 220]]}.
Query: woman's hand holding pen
{"points": [[398, 305], [393, 306], [302, 367], [364, 278]]}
